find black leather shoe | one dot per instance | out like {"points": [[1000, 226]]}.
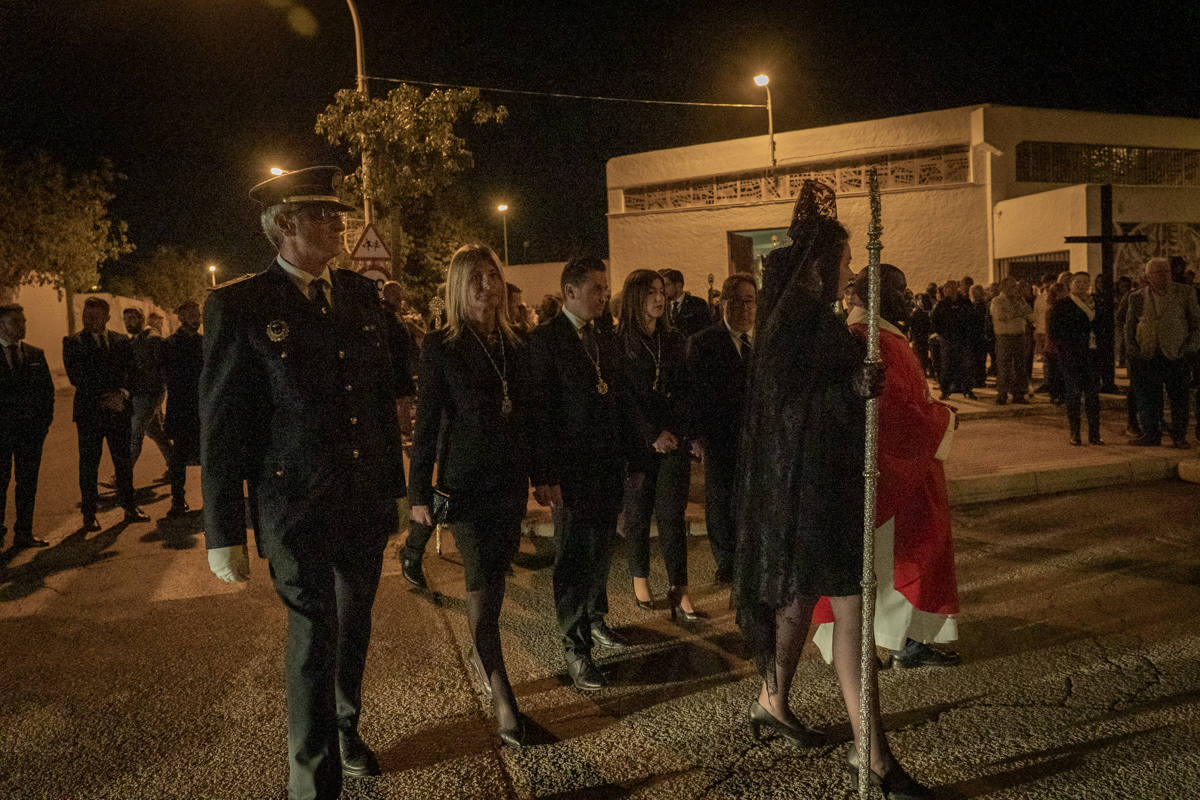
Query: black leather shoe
{"points": [[22, 542], [410, 568], [922, 655], [178, 510], [584, 675], [513, 737], [135, 514], [801, 736], [90, 524], [1075, 440], [358, 761], [607, 637]]}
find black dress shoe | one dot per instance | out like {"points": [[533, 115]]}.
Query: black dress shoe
{"points": [[410, 568], [178, 510], [1146, 440], [358, 761], [917, 654], [1075, 440], [513, 737], [607, 637], [584, 674], [135, 514], [90, 524], [22, 542]]}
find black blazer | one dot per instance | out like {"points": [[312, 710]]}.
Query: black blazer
{"points": [[485, 454], [96, 371], [1070, 330], [717, 378], [300, 403], [694, 315], [664, 409], [579, 432], [26, 393], [184, 358]]}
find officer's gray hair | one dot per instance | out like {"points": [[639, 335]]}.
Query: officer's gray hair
{"points": [[270, 222]]}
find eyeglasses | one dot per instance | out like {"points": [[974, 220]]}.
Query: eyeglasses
{"points": [[323, 213]]}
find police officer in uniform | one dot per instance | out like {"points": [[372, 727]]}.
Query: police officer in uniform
{"points": [[298, 397]]}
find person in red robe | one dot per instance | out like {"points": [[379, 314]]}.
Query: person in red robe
{"points": [[917, 592]]}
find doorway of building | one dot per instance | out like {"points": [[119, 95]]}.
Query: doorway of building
{"points": [[747, 249]]}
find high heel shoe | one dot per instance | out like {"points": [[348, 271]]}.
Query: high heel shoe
{"points": [[801, 736], [514, 737], [896, 784], [645, 605], [674, 599]]}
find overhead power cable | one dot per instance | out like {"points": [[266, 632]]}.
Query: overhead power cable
{"points": [[564, 95]]}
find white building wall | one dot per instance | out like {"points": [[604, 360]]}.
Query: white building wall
{"points": [[1038, 223]]}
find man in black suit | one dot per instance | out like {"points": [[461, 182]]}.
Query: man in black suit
{"points": [[147, 383], [688, 314], [717, 360], [99, 362], [298, 396], [584, 435], [183, 357], [26, 409]]}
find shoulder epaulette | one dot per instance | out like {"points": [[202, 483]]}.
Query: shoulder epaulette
{"points": [[233, 281]]}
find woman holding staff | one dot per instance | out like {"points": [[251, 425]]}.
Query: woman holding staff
{"points": [[800, 492]]}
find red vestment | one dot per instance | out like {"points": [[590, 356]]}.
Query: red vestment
{"points": [[917, 593]]}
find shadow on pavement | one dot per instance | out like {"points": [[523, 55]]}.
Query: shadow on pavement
{"points": [[76, 550]]}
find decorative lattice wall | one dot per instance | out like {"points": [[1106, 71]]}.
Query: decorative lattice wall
{"points": [[946, 165], [1063, 162]]}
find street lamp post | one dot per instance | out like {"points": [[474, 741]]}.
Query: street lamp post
{"points": [[503, 209], [764, 82], [212, 274], [362, 89]]}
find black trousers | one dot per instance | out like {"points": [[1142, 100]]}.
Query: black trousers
{"points": [[113, 428], [1081, 380], [955, 375], [661, 492], [1152, 375], [418, 537], [326, 571], [720, 464], [583, 551], [20, 452]]}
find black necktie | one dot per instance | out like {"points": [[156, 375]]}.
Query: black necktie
{"points": [[14, 357], [316, 293], [747, 348]]}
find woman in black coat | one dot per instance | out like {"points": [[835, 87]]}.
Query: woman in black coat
{"points": [[800, 491], [654, 355], [1071, 328], [474, 389]]}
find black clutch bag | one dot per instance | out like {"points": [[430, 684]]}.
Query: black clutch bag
{"points": [[440, 507]]}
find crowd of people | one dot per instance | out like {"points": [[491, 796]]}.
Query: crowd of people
{"points": [[297, 398]]}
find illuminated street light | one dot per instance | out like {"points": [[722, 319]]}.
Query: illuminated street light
{"points": [[277, 171], [212, 270], [764, 82], [503, 209]]}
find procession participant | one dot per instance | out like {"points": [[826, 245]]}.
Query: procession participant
{"points": [[183, 354], [26, 409], [583, 438], [472, 422], [298, 396], [685, 312], [1071, 327], [717, 358], [98, 363], [800, 484], [146, 386], [653, 354], [917, 591]]}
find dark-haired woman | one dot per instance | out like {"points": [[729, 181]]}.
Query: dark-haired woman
{"points": [[1071, 328], [800, 492], [474, 389], [654, 355]]}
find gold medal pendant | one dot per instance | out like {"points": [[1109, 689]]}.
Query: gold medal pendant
{"points": [[506, 406], [601, 386]]}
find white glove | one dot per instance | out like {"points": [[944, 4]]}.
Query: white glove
{"points": [[230, 564]]}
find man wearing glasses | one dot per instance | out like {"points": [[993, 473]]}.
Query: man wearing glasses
{"points": [[297, 397]]}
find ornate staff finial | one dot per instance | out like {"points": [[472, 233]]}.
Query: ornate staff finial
{"points": [[436, 307]]}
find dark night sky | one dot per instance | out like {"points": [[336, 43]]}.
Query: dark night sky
{"points": [[194, 99]]}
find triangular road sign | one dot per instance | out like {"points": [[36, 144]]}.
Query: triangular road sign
{"points": [[370, 247]]}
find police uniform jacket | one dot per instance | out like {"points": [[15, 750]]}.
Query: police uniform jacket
{"points": [[583, 439], [96, 370], [26, 393], [299, 402], [184, 359]]}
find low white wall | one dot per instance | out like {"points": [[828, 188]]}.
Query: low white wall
{"points": [[1038, 223], [45, 322]]}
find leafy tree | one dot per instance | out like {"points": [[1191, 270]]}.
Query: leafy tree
{"points": [[169, 276], [414, 153], [55, 227]]}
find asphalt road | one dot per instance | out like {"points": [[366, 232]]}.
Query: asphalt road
{"points": [[128, 671]]}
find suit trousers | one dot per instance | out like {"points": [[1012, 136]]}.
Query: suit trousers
{"points": [[326, 571], [583, 550], [661, 492], [1153, 374], [1081, 381], [1011, 377], [418, 537], [955, 375], [147, 421], [20, 452], [113, 428], [720, 465]]}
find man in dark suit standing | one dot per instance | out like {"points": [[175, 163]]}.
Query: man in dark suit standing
{"points": [[26, 409], [99, 363], [298, 396], [717, 362], [183, 356], [688, 314], [584, 434]]}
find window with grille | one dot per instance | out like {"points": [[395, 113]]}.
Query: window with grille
{"points": [[1063, 162]]}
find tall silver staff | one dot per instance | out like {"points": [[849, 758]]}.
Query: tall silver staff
{"points": [[870, 478]]}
